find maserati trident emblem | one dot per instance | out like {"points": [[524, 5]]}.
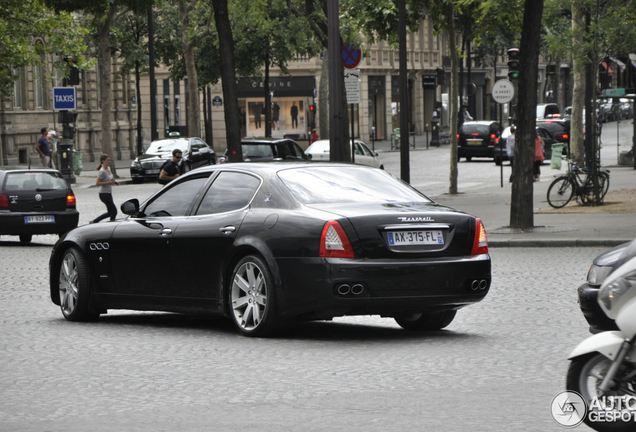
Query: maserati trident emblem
{"points": [[417, 219], [38, 197]]}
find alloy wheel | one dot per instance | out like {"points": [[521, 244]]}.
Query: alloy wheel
{"points": [[249, 296], [68, 284]]}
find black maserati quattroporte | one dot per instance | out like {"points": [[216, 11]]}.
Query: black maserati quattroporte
{"points": [[270, 243]]}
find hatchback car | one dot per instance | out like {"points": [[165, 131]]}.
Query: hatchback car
{"points": [[268, 149], [195, 151], [319, 151], [269, 243], [559, 128], [500, 149], [478, 139], [547, 110], [36, 202]]}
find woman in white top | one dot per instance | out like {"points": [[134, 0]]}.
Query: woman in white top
{"points": [[105, 181]]}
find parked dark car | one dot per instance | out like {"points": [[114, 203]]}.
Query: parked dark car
{"points": [[268, 149], [196, 153], [269, 243], [477, 139], [558, 128], [602, 266], [36, 202], [500, 149]]}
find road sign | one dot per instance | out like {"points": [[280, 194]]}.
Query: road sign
{"points": [[64, 98], [503, 91], [217, 101], [614, 92], [352, 86], [351, 56]]}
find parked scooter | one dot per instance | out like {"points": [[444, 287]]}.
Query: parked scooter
{"points": [[603, 367]]}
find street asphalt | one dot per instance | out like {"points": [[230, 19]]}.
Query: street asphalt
{"points": [[608, 225]]}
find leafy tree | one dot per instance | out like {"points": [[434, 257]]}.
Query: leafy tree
{"points": [[22, 21]]}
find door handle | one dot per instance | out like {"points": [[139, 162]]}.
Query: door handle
{"points": [[227, 229], [164, 232]]}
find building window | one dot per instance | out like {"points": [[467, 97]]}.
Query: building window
{"points": [[38, 82], [17, 89]]}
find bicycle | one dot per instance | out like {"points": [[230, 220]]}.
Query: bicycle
{"points": [[564, 187]]}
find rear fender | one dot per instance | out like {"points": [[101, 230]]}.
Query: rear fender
{"points": [[606, 343]]}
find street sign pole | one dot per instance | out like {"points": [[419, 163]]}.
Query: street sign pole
{"points": [[63, 101], [503, 91]]}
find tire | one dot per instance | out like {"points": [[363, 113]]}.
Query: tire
{"points": [[585, 375], [498, 161], [252, 299], [25, 238], [560, 192], [426, 322], [469, 158], [604, 182], [74, 286]]}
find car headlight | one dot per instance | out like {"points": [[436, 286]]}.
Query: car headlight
{"points": [[597, 274], [610, 295]]}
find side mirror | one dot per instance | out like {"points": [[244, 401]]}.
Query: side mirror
{"points": [[308, 155], [130, 207], [376, 154]]}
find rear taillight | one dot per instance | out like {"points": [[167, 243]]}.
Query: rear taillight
{"points": [[70, 200], [480, 244], [494, 140], [334, 242], [4, 202], [562, 136]]}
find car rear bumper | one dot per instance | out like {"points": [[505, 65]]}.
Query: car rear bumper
{"points": [[596, 318], [14, 223], [310, 286], [476, 151]]}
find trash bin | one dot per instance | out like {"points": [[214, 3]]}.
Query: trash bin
{"points": [[78, 166], [557, 151]]}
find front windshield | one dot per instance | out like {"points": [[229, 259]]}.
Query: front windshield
{"points": [[166, 146], [344, 184]]}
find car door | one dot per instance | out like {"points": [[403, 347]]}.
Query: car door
{"points": [[204, 240], [141, 246]]}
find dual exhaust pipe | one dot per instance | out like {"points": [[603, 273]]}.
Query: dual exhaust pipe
{"points": [[479, 285], [346, 289]]}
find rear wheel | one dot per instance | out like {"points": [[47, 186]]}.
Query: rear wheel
{"points": [[74, 287], [469, 158], [603, 183], [560, 192], [498, 161], [252, 298], [25, 238], [424, 322]]}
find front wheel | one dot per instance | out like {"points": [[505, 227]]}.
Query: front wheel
{"points": [[560, 192], [585, 375], [603, 183], [252, 298], [426, 322], [74, 287]]}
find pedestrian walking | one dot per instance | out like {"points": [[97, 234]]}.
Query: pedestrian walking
{"points": [[170, 170], [105, 181], [539, 157], [294, 114], [44, 148], [510, 150], [314, 136]]}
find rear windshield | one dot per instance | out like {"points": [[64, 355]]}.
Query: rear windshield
{"points": [[322, 185], [33, 180], [554, 127], [475, 129], [257, 151], [167, 145]]}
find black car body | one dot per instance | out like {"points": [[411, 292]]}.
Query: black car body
{"points": [[325, 240], [500, 149], [602, 266], [36, 202], [196, 153], [269, 149], [559, 129], [478, 139]]}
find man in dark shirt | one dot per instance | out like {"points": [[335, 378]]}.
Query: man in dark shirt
{"points": [[44, 148], [170, 170]]}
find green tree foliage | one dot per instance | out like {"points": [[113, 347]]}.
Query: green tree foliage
{"points": [[21, 22]]}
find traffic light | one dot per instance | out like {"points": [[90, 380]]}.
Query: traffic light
{"points": [[441, 73], [312, 108], [74, 77], [513, 63]]}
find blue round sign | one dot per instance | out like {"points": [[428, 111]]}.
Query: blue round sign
{"points": [[351, 56]]}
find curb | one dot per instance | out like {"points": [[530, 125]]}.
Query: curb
{"points": [[557, 243]]}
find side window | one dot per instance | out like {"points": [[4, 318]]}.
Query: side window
{"points": [[366, 150], [296, 150], [356, 148], [175, 201], [230, 191]]}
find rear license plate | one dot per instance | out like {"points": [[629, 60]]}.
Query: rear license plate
{"points": [[474, 142], [39, 219], [400, 238], [155, 171]]}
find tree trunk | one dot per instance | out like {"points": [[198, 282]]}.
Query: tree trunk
{"points": [[323, 97], [452, 104], [105, 59], [577, 149], [194, 109], [521, 208], [228, 76]]}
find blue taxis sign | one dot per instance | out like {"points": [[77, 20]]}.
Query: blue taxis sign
{"points": [[64, 98]]}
